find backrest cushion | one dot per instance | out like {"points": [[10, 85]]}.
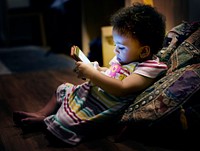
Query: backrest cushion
{"points": [[187, 53], [174, 38], [165, 96]]}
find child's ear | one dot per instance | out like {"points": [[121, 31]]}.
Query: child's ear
{"points": [[145, 52]]}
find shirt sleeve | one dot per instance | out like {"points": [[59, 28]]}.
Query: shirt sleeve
{"points": [[150, 68]]}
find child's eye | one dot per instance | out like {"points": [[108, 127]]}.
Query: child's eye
{"points": [[121, 48]]}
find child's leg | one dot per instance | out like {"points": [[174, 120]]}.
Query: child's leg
{"points": [[21, 117]]}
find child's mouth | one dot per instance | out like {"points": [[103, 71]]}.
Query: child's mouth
{"points": [[118, 59]]}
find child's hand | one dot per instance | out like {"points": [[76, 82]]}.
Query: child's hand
{"points": [[84, 70], [97, 67]]}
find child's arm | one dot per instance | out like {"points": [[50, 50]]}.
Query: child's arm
{"points": [[129, 85]]}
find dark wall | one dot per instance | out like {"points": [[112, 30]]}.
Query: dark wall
{"points": [[42, 23], [3, 34], [63, 26], [97, 14]]}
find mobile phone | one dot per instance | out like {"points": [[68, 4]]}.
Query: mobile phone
{"points": [[78, 55]]}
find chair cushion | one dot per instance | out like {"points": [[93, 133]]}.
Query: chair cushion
{"points": [[174, 38], [187, 53], [165, 95]]}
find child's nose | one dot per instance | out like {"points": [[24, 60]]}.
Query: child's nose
{"points": [[116, 50]]}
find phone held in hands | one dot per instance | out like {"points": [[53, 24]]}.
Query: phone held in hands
{"points": [[78, 55]]}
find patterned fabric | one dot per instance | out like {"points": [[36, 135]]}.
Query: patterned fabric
{"points": [[187, 53], [86, 107], [181, 82], [174, 38], [165, 96]]}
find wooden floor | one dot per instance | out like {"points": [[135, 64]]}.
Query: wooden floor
{"points": [[29, 92]]}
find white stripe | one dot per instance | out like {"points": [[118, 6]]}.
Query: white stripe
{"points": [[148, 71]]}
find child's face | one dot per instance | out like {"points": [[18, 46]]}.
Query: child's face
{"points": [[126, 49]]}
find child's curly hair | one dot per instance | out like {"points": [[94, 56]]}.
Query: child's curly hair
{"points": [[143, 22]]}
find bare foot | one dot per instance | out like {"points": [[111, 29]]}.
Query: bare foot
{"points": [[26, 118]]}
